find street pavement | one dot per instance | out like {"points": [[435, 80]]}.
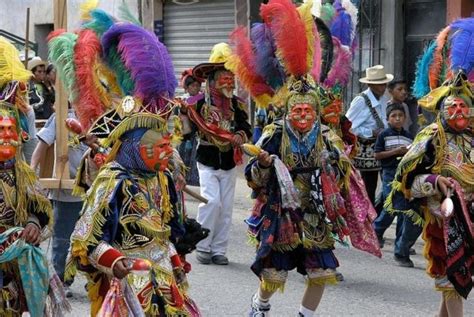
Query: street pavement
{"points": [[372, 286]]}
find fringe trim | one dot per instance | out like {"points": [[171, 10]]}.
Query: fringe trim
{"points": [[321, 281], [137, 120], [286, 247], [271, 286], [28, 191], [165, 204], [252, 240], [449, 293], [388, 204]]}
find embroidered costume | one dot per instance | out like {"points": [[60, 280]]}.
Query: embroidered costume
{"points": [[438, 169], [299, 173], [130, 226], [24, 275]]}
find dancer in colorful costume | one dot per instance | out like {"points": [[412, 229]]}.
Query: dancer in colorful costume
{"points": [[125, 240], [437, 173], [25, 213], [298, 171]]}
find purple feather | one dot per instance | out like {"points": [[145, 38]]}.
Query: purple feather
{"points": [[341, 25], [147, 60], [462, 45], [267, 63]]}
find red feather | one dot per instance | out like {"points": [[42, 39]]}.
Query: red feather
{"points": [[289, 32], [246, 71], [55, 33], [438, 58], [86, 53]]}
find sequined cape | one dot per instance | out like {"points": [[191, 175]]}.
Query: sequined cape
{"points": [[135, 214]]}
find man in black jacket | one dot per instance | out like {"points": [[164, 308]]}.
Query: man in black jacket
{"points": [[222, 126]]}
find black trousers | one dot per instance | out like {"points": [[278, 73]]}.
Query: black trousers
{"points": [[370, 179]]}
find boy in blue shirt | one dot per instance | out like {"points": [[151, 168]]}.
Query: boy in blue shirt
{"points": [[392, 143]]}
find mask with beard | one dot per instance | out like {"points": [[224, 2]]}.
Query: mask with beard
{"points": [[225, 83]]}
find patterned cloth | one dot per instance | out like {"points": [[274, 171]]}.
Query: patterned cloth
{"points": [[32, 265]]}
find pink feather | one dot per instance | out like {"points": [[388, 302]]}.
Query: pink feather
{"points": [[289, 32], [317, 56], [341, 66]]}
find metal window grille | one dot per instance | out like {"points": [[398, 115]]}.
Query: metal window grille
{"points": [[368, 50]]}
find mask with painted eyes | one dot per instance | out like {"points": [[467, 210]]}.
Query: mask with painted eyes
{"points": [[456, 113], [9, 139], [156, 150], [302, 117], [331, 113]]}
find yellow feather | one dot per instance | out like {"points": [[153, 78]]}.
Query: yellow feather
{"points": [[11, 68], [305, 13], [87, 7]]}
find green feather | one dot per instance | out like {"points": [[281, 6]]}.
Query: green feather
{"points": [[327, 13], [61, 54], [126, 15], [123, 75]]}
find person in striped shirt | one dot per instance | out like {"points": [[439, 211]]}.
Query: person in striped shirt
{"points": [[392, 143]]}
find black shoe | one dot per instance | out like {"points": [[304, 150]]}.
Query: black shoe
{"points": [[381, 242], [220, 260], [339, 276], [412, 251], [203, 257], [403, 261]]}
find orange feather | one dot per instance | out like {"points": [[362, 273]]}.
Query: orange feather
{"points": [[438, 59], [86, 53], [243, 64]]}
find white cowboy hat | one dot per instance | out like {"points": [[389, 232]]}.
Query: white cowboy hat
{"points": [[34, 62], [376, 75]]}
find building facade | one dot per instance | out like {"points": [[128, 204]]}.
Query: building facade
{"points": [[391, 32]]}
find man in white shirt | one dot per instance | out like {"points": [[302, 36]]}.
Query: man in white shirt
{"points": [[367, 113]]}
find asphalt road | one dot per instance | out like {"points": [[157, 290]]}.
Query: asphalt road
{"points": [[372, 286]]}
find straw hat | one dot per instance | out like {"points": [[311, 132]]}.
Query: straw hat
{"points": [[376, 75], [34, 62], [219, 55]]}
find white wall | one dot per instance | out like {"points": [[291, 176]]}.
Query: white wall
{"points": [[13, 14]]}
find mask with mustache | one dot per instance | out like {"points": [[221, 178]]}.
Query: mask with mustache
{"points": [[225, 83], [9, 139], [456, 113], [155, 150]]}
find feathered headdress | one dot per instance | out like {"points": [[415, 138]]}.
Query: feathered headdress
{"points": [[147, 61], [118, 74], [452, 51], [285, 48]]}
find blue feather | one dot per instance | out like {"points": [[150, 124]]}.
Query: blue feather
{"points": [[462, 45], [421, 86], [100, 23], [268, 65], [341, 25]]}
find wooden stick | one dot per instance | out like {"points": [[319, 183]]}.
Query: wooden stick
{"points": [[27, 37], [195, 195]]}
